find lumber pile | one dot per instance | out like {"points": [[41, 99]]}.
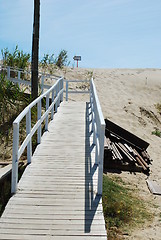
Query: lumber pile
{"points": [[125, 154]]}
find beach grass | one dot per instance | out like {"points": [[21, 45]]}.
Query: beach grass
{"points": [[123, 210]]}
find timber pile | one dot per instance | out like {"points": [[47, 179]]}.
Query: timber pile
{"points": [[124, 151]]}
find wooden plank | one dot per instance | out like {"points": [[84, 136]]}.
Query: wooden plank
{"points": [[56, 197], [5, 171], [48, 237], [55, 232], [153, 187], [42, 215], [125, 135], [46, 222]]}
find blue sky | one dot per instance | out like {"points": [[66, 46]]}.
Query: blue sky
{"points": [[106, 33]]}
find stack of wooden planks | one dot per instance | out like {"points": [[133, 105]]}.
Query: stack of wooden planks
{"points": [[122, 151]]}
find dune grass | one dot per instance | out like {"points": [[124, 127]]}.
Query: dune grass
{"points": [[122, 210]]}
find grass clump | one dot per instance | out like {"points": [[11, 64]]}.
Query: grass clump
{"points": [[122, 210], [157, 133]]}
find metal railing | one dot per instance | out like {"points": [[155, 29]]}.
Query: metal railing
{"points": [[56, 92], [98, 129]]}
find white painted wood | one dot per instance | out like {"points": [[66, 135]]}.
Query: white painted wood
{"points": [[66, 90], [5, 171], [98, 127], [28, 131], [39, 118], [52, 110], [57, 194], [15, 157], [17, 152], [47, 107], [16, 236], [19, 81], [42, 84]]}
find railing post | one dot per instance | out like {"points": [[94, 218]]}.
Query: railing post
{"points": [[19, 77], [52, 110], [92, 105], [47, 106], [28, 130], [96, 150], [62, 87], [100, 157], [56, 93], [38, 118], [66, 90], [42, 83], [15, 157], [8, 72]]}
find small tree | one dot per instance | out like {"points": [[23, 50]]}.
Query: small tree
{"points": [[62, 59]]}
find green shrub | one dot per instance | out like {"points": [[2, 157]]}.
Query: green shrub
{"points": [[62, 59], [9, 94], [47, 60], [17, 59], [157, 132]]}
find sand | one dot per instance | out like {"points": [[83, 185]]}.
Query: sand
{"points": [[127, 96]]}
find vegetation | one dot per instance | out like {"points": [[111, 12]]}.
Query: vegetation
{"points": [[9, 95], [17, 59], [121, 209], [157, 132], [12, 101], [60, 61], [47, 60]]}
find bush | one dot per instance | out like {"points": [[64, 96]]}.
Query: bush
{"points": [[9, 94], [62, 59], [17, 59], [47, 60]]}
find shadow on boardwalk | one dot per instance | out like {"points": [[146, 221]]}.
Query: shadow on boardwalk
{"points": [[91, 199]]}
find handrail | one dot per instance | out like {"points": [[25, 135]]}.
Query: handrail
{"points": [[56, 92], [26, 82], [28, 71], [67, 91], [98, 129]]}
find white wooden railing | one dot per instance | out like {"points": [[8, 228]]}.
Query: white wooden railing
{"points": [[67, 91], [18, 73], [98, 129], [56, 93]]}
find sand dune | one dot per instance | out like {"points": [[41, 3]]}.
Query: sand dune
{"points": [[129, 97]]}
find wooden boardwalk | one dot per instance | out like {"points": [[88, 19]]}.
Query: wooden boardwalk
{"points": [[56, 195]]}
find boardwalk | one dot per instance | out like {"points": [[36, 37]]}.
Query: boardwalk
{"points": [[56, 195]]}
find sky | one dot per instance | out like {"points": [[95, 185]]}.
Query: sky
{"points": [[105, 33]]}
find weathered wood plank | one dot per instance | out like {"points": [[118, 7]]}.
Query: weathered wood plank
{"points": [[48, 237], [56, 197], [5, 171]]}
